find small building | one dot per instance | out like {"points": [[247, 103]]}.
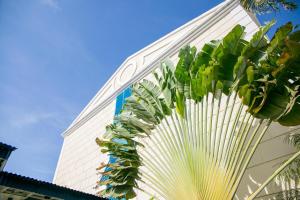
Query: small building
{"points": [[5, 151], [17, 187]]}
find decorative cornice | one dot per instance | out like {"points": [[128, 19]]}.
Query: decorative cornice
{"points": [[109, 83], [218, 14]]}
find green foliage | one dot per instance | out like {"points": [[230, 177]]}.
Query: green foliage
{"points": [[263, 6], [123, 174], [270, 86], [265, 75]]}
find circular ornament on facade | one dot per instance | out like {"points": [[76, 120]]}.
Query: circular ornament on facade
{"points": [[126, 74]]}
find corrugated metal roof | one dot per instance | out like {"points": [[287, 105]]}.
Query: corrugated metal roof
{"points": [[6, 146], [19, 182]]}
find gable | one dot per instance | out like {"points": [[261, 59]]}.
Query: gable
{"points": [[213, 24]]}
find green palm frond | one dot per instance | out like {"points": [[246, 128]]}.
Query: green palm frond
{"points": [[262, 6], [292, 172], [193, 133]]}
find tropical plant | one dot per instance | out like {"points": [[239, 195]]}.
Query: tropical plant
{"points": [[262, 6], [193, 134], [292, 172]]}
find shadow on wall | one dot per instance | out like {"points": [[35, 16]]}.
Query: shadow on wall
{"points": [[265, 161], [287, 191], [277, 190]]}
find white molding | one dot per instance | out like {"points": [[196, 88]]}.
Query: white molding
{"points": [[58, 163], [219, 12], [108, 82]]}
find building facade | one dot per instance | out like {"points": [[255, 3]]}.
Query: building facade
{"points": [[80, 155]]}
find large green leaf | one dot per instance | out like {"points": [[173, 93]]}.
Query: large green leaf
{"points": [[293, 117]]}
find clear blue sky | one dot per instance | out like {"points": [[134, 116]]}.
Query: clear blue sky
{"points": [[56, 54]]}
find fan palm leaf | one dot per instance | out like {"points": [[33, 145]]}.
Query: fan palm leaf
{"points": [[193, 133]]}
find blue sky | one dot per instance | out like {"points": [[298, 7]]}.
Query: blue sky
{"points": [[56, 54]]}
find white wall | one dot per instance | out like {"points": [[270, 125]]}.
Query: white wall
{"points": [[272, 151], [80, 155]]}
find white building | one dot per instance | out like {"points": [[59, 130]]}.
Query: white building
{"points": [[80, 155]]}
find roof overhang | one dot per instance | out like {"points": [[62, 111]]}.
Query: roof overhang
{"points": [[5, 151], [13, 185]]}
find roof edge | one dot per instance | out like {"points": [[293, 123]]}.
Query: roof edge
{"points": [[23, 183], [145, 49], [226, 7]]}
